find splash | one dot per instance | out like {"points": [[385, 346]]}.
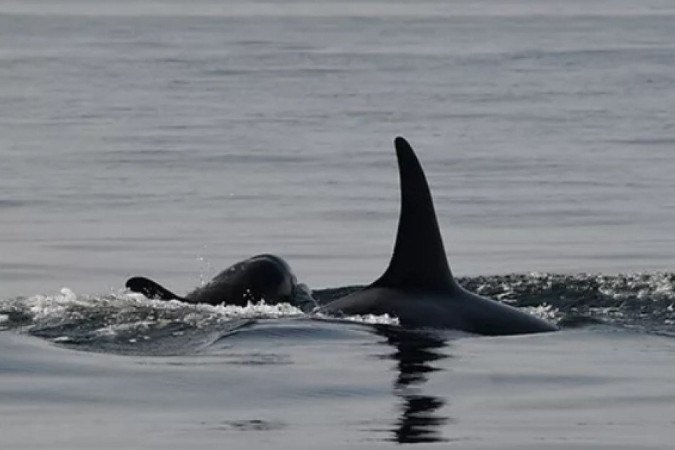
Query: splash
{"points": [[68, 317], [132, 306]]}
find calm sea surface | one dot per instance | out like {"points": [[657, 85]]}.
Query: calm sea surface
{"points": [[171, 139]]}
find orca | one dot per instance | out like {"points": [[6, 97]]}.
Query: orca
{"points": [[418, 287], [261, 277]]}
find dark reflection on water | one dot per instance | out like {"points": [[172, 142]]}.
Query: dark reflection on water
{"points": [[419, 421]]}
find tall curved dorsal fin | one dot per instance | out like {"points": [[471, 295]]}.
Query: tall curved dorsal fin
{"points": [[419, 261]]}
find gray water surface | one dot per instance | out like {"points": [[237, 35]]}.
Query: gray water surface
{"points": [[295, 385], [171, 139]]}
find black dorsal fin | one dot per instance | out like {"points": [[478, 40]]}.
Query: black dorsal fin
{"points": [[419, 261]]}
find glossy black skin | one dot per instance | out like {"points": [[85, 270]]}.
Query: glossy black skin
{"points": [[418, 287], [262, 277]]}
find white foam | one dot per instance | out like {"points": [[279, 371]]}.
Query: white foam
{"points": [[374, 319], [545, 311], [370, 319], [121, 312]]}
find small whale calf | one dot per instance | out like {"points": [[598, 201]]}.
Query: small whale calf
{"points": [[418, 287], [262, 277]]}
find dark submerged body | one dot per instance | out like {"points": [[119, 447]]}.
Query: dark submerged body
{"points": [[456, 309], [262, 277], [418, 286]]}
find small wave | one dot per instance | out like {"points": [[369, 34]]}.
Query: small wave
{"points": [[8, 203], [120, 317], [641, 301], [68, 306]]}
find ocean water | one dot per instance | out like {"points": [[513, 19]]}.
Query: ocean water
{"points": [[171, 139]]}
